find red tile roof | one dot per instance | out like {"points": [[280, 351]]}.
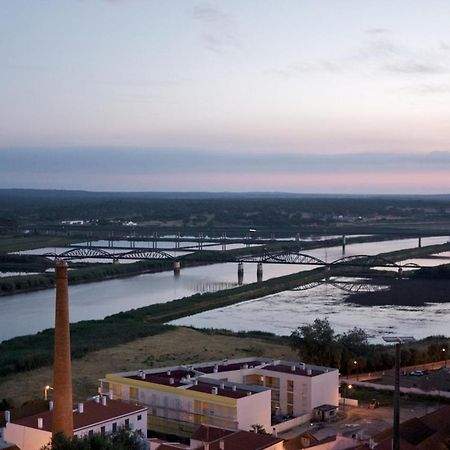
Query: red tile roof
{"points": [[431, 431], [298, 370], [227, 391], [234, 440], [93, 413], [224, 367], [201, 386], [208, 434], [170, 447]]}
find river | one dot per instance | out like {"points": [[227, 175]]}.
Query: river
{"points": [[32, 312]]}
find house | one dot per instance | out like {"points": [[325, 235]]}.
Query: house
{"points": [[99, 415], [431, 431], [231, 394], [213, 438]]}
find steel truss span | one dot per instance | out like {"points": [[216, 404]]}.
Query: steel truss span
{"points": [[279, 257], [89, 252]]}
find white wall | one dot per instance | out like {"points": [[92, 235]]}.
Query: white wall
{"points": [[254, 409], [26, 438], [135, 424], [325, 389]]}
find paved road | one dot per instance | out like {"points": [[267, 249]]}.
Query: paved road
{"points": [[364, 421]]}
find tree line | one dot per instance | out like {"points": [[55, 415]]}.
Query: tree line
{"points": [[317, 343]]}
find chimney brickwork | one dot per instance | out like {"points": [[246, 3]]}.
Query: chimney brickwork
{"points": [[62, 366]]}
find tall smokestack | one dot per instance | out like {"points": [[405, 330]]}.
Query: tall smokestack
{"points": [[62, 367]]}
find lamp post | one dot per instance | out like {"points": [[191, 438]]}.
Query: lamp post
{"points": [[445, 356], [356, 364], [46, 389], [396, 428], [348, 386]]}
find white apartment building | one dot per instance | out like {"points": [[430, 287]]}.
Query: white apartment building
{"points": [[233, 394], [99, 415]]}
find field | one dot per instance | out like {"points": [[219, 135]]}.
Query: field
{"points": [[180, 346]]}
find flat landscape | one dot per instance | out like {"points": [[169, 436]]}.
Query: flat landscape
{"points": [[180, 346]]}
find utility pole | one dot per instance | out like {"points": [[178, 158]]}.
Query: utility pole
{"points": [[396, 425]]}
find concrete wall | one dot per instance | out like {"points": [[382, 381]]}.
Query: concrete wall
{"points": [[348, 401], [26, 438], [325, 389], [135, 425], [254, 409], [295, 422]]}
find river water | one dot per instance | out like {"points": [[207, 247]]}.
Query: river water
{"points": [[31, 312], [283, 312]]}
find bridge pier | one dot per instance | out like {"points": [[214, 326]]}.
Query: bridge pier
{"points": [[155, 239], [419, 242], [240, 273], [400, 273], [344, 241], [224, 241], [259, 272], [297, 237], [115, 260], [176, 268], [177, 240]]}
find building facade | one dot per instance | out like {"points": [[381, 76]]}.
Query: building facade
{"points": [[100, 415], [232, 394]]}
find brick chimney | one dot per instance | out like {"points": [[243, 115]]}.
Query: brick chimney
{"points": [[62, 367]]}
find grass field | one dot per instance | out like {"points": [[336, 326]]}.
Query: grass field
{"points": [[180, 346], [15, 244]]}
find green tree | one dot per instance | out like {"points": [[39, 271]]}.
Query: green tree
{"points": [[122, 440], [317, 343], [258, 428], [354, 345]]}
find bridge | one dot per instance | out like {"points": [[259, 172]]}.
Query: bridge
{"points": [[265, 256], [268, 257]]}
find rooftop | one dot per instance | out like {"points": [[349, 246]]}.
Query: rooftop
{"points": [[94, 412], [234, 440], [181, 376]]}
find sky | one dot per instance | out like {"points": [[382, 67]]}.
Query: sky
{"points": [[327, 96]]}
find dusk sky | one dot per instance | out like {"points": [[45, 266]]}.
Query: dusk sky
{"points": [[349, 96]]}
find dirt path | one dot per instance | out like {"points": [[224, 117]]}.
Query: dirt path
{"points": [[182, 345]]}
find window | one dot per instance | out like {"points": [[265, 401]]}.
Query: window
{"points": [[290, 385], [91, 433], [114, 427], [102, 431], [139, 417], [127, 423]]}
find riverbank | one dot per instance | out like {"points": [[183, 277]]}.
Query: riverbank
{"points": [[102, 272], [426, 285], [28, 352], [405, 293]]}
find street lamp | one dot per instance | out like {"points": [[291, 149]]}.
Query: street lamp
{"points": [[356, 364], [46, 389], [348, 386], [396, 429], [445, 356]]}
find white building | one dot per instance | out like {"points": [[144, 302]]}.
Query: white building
{"points": [[232, 394], [94, 416]]}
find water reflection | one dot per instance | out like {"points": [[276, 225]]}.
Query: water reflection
{"points": [[283, 312]]}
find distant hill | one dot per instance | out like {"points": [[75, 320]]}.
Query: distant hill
{"points": [[80, 194]]}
